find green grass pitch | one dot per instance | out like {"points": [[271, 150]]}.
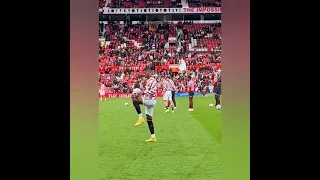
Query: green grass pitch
{"points": [[188, 144]]}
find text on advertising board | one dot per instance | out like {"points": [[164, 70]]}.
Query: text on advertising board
{"points": [[203, 10]]}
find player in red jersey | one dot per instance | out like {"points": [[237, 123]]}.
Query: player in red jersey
{"points": [[191, 89], [102, 92], [149, 100]]}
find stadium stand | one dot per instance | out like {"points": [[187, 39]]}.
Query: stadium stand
{"points": [[204, 3], [179, 48], [159, 3]]}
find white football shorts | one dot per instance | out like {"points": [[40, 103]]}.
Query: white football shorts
{"points": [[167, 96], [149, 105]]}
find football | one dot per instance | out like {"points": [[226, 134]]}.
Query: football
{"points": [[218, 106], [211, 105], [126, 104]]}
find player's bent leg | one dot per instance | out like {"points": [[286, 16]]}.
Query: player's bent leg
{"points": [[138, 109], [136, 106]]}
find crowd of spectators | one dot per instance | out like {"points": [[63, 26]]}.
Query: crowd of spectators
{"points": [[144, 4], [204, 3], [127, 49]]}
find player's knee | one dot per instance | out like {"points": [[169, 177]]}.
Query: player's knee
{"points": [[139, 99]]}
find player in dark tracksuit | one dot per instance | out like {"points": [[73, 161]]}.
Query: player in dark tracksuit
{"points": [[217, 91], [191, 88]]}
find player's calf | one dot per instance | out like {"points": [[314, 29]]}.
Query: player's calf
{"points": [[166, 104], [151, 129], [137, 107]]}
